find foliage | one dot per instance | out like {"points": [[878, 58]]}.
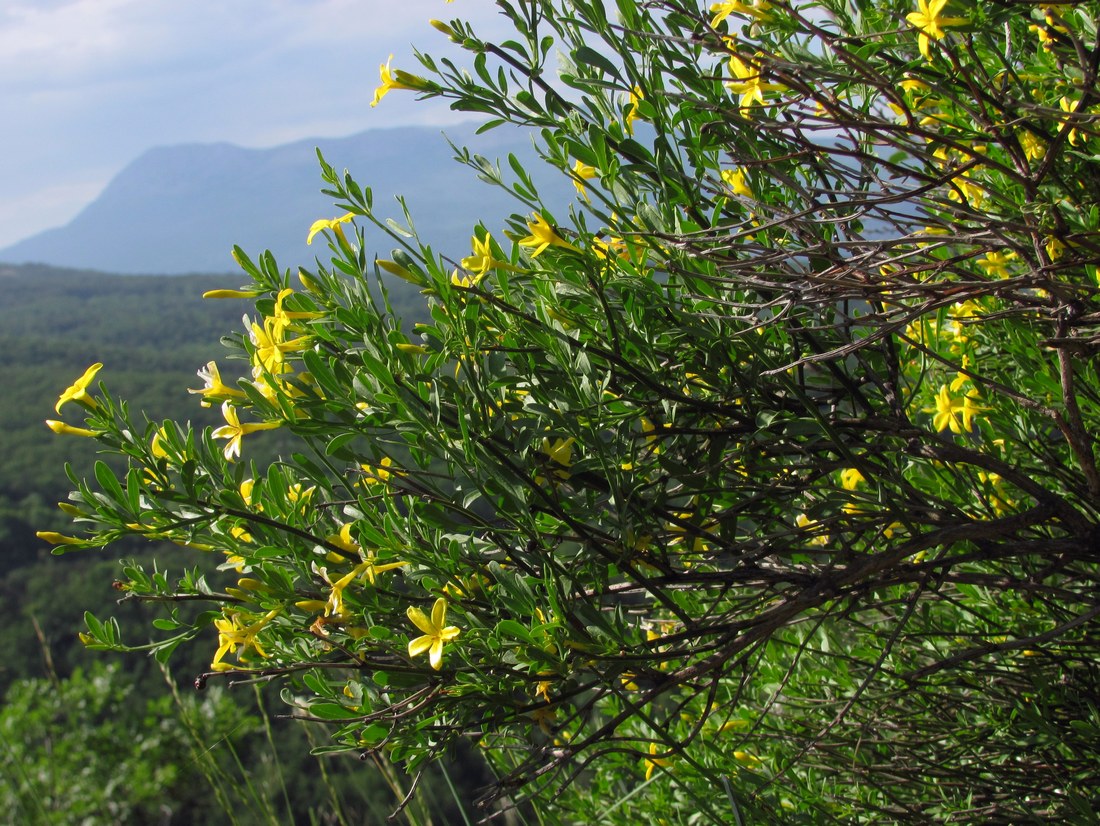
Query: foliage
{"points": [[761, 485], [67, 750]]}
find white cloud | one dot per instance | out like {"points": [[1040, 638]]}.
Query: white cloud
{"points": [[87, 85]]}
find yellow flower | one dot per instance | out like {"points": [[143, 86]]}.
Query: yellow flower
{"points": [[583, 172], [929, 20], [330, 224], [542, 236], [747, 759], [271, 345], [479, 264], [213, 387], [995, 264], [77, 391], [63, 429], [234, 431], [954, 413], [1035, 148], [246, 488], [396, 79], [749, 83], [803, 522], [156, 447], [435, 633], [851, 478], [377, 475], [632, 114], [232, 293], [55, 538], [287, 317], [735, 180], [232, 634], [343, 540], [653, 761], [759, 10], [560, 453], [1069, 107]]}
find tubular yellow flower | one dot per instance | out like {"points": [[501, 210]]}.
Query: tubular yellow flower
{"points": [[735, 180], [748, 83], [63, 429], [747, 759], [271, 344], [928, 19], [1070, 107], [1035, 148], [377, 475], [995, 264], [758, 10], [632, 113], [954, 413], [560, 453], [396, 79], [851, 478], [78, 390], [232, 293], [156, 447], [233, 634], [435, 633], [653, 761], [542, 236], [479, 264], [55, 538], [287, 317], [328, 224], [213, 388], [234, 431], [583, 172]]}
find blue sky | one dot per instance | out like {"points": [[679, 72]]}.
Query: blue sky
{"points": [[88, 85]]}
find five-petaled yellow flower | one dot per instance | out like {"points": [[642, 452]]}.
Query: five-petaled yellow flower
{"points": [[233, 633], [396, 79], [851, 478], [542, 236], [213, 386], [328, 223], [929, 20], [757, 9], [954, 413], [749, 83], [479, 264], [435, 633], [735, 180], [995, 264], [78, 390], [234, 431], [583, 172]]}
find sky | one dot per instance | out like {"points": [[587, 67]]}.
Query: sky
{"points": [[86, 86]]}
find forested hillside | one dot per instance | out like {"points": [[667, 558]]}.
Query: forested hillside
{"points": [[151, 334]]}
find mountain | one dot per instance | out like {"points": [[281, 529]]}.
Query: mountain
{"points": [[180, 209]]}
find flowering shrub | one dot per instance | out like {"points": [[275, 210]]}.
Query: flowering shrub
{"points": [[759, 483]]}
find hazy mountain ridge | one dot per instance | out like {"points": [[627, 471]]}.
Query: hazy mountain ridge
{"points": [[180, 209]]}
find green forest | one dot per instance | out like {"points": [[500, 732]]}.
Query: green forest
{"points": [[140, 740], [759, 485]]}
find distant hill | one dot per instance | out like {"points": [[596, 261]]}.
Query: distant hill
{"points": [[181, 209]]}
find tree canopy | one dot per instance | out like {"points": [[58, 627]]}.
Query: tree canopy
{"points": [[759, 485]]}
